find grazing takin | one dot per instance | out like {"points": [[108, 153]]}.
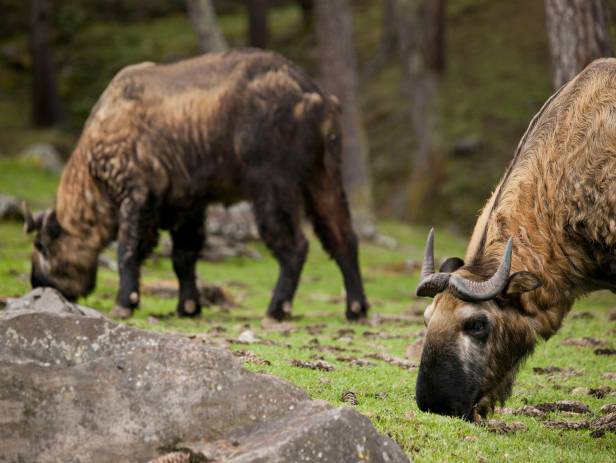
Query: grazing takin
{"points": [[163, 141], [546, 237]]}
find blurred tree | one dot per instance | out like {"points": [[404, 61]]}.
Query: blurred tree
{"points": [[421, 29], [387, 43], [45, 99], [307, 7], [257, 23], [578, 33], [338, 67], [203, 19]]}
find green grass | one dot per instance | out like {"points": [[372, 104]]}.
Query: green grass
{"points": [[385, 392]]}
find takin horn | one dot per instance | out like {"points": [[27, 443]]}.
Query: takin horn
{"points": [[469, 290], [31, 222], [431, 283]]}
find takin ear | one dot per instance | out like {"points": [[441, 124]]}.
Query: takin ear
{"points": [[451, 265], [521, 282]]}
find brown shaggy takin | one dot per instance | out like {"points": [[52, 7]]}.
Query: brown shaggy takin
{"points": [[546, 237], [163, 141]]}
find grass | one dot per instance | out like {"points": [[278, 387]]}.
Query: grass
{"points": [[385, 392]]}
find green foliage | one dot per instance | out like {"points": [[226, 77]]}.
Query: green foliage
{"points": [[385, 392]]}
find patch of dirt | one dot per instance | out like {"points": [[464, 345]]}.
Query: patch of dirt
{"points": [[397, 361], [349, 397], [250, 357], [355, 361], [210, 295], [583, 342], [396, 320], [315, 330], [529, 410], [603, 424], [318, 365], [413, 351], [612, 316], [554, 371], [605, 351], [383, 335], [574, 406], [608, 408], [583, 316], [501, 427], [610, 375], [569, 425], [600, 392]]}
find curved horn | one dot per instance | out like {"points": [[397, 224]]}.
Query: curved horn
{"points": [[31, 223], [469, 290], [430, 283]]}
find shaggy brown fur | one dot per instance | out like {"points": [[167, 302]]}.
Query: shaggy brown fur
{"points": [[165, 140], [558, 202]]}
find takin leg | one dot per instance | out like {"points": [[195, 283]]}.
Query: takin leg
{"points": [[188, 238], [137, 236], [278, 215], [327, 206]]}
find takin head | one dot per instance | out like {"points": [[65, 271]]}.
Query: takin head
{"points": [[477, 335], [59, 260]]}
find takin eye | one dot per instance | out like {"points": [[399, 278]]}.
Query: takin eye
{"points": [[478, 327], [40, 247]]}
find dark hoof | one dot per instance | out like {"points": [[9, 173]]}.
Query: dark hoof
{"points": [[189, 308], [279, 311], [121, 312], [356, 311]]}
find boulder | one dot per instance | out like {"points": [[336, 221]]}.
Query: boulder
{"points": [[10, 208], [44, 155], [75, 386]]}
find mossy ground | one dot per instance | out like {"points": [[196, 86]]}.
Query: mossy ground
{"points": [[385, 392]]}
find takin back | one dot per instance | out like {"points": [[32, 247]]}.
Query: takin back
{"points": [[546, 237], [163, 141]]}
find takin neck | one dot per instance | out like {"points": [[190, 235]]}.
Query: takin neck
{"points": [[82, 208], [562, 282]]}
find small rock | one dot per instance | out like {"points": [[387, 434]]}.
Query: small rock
{"points": [[349, 397], [247, 337], [152, 320], [45, 155], [10, 208], [580, 391]]}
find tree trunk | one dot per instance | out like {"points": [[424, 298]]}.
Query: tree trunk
{"points": [[578, 33], [421, 41], [45, 99], [338, 68], [203, 19], [307, 7], [257, 23], [389, 39]]}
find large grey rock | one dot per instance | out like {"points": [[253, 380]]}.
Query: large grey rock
{"points": [[75, 386], [10, 208], [45, 155]]}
